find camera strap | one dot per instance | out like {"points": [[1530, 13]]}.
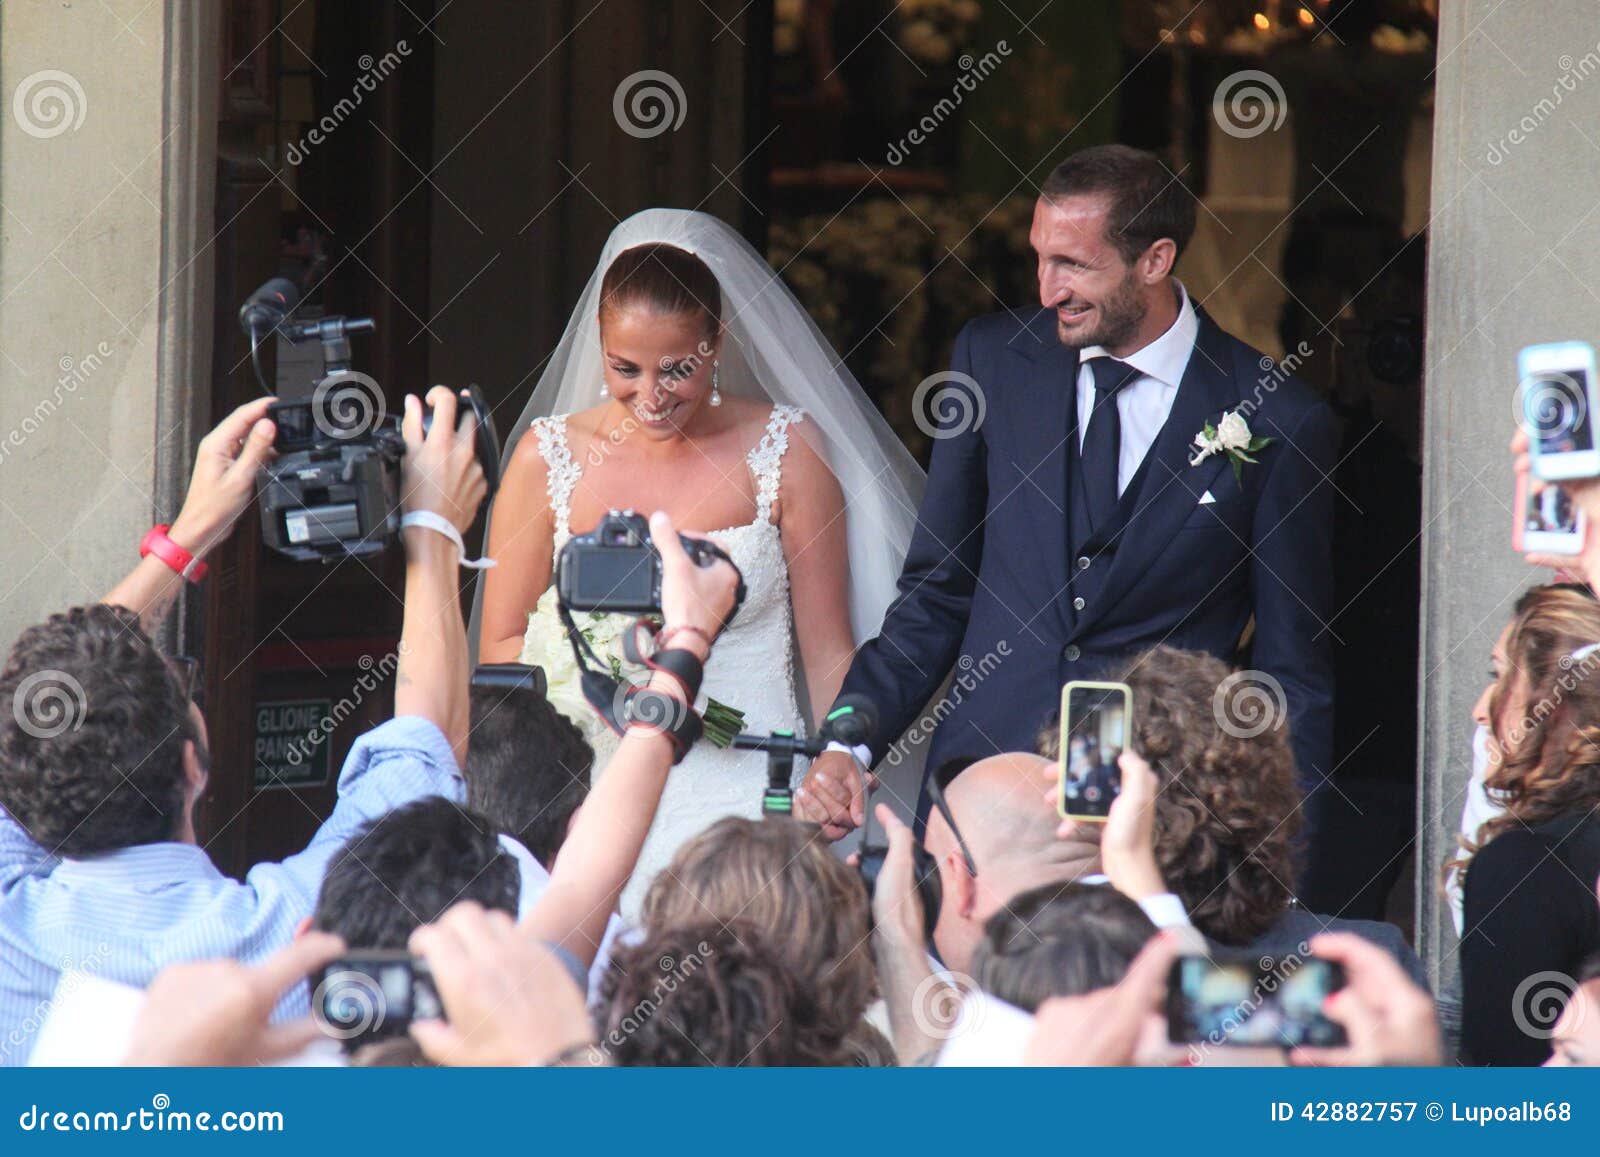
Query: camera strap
{"points": [[622, 705]]}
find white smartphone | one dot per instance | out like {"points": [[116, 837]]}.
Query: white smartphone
{"points": [[1556, 400], [1547, 522]]}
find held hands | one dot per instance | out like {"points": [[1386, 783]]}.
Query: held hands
{"points": [[834, 794], [440, 471], [224, 478], [214, 1012], [695, 601], [508, 999]]}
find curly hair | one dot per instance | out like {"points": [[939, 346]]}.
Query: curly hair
{"points": [[712, 993], [1227, 810], [1549, 758], [779, 876], [91, 752]]}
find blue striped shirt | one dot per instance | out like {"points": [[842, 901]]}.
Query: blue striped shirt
{"points": [[126, 915]]}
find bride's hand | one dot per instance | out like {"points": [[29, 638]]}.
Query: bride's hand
{"points": [[834, 794], [694, 597]]}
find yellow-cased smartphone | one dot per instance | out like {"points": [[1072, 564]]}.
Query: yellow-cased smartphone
{"points": [[1096, 719]]}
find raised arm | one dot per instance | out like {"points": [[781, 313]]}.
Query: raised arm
{"points": [[811, 521], [603, 847], [521, 540], [439, 474], [222, 486]]}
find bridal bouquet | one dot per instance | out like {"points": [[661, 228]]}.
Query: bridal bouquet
{"points": [[546, 645]]}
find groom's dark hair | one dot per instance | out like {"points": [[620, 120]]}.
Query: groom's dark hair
{"points": [[1147, 201], [663, 278]]}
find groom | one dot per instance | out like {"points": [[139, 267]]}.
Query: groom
{"points": [[1064, 525]]}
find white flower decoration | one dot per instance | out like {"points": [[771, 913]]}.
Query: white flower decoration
{"points": [[1231, 436]]}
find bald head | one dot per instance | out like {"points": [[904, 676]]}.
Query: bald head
{"points": [[1001, 808]]}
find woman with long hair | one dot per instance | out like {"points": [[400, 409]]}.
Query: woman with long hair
{"points": [[1530, 914]]}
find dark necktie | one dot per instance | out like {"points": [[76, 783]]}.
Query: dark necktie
{"points": [[1102, 440]]}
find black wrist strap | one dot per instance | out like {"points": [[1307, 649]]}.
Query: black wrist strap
{"points": [[682, 665], [662, 713]]}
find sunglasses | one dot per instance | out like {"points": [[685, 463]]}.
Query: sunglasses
{"points": [[941, 779]]}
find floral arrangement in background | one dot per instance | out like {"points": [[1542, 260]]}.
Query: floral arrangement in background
{"points": [[891, 281], [934, 31]]}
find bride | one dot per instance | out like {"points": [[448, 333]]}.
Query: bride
{"points": [[690, 381]]}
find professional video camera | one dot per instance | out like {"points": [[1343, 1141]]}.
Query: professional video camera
{"points": [[334, 488]]}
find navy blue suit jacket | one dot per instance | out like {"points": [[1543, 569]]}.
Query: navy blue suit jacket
{"points": [[985, 581]]}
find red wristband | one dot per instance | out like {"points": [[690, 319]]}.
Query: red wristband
{"points": [[157, 543]]}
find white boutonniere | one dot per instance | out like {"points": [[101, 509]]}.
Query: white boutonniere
{"points": [[1231, 436]]}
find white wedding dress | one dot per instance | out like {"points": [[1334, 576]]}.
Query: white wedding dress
{"points": [[752, 666]]}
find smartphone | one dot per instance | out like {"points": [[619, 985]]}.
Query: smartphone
{"points": [[1556, 384], [1095, 719], [374, 994], [1253, 1002], [1547, 522]]}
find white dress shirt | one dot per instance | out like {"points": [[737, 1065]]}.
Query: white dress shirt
{"points": [[1144, 403]]}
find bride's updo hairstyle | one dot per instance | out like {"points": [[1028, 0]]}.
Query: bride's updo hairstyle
{"points": [[665, 279]]}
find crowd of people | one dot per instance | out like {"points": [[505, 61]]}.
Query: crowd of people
{"points": [[468, 837]]}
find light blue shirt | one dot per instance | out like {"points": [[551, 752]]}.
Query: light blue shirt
{"points": [[126, 915]]}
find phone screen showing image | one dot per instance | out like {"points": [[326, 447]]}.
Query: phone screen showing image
{"points": [[1556, 410], [1094, 721], [1253, 1003]]}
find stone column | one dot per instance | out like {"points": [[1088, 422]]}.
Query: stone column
{"points": [[1511, 260], [104, 290]]}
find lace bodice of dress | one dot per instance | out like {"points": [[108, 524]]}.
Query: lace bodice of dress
{"points": [[758, 644]]}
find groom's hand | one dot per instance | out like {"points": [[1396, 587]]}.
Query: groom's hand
{"points": [[834, 794]]}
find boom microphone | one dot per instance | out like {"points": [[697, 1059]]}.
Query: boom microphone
{"points": [[269, 305]]}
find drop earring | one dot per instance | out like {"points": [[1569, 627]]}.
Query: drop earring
{"points": [[604, 393], [716, 395]]}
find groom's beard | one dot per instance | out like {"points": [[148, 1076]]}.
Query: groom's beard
{"points": [[1119, 318]]}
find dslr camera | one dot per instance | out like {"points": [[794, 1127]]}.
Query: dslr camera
{"points": [[616, 568]]}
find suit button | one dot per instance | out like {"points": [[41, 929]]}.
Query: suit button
{"points": [[1077, 604], [1070, 652], [1083, 562]]}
